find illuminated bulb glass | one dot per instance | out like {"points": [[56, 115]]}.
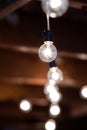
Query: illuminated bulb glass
{"points": [[47, 52], [50, 124], [54, 110], [25, 105], [55, 74], [50, 87], [52, 82], [55, 8], [54, 97], [84, 92]]}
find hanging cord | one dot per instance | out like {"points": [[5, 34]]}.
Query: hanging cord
{"points": [[48, 21]]}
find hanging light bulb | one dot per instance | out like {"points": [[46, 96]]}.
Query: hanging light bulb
{"points": [[52, 92], [55, 74], [54, 110], [55, 8], [50, 87], [50, 124], [54, 96], [25, 105], [83, 92], [47, 52]]}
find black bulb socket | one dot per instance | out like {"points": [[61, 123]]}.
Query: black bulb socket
{"points": [[47, 35], [52, 64]]}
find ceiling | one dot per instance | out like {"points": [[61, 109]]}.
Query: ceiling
{"points": [[23, 75]]}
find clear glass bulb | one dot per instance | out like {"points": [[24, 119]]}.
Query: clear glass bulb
{"points": [[50, 87], [47, 52], [55, 8], [54, 97], [52, 92], [25, 105], [50, 124], [55, 74], [83, 92], [54, 110]]}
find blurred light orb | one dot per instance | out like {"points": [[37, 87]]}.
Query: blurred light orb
{"points": [[83, 92], [55, 74], [47, 52], [55, 8], [55, 3], [50, 87], [25, 105], [54, 97], [50, 124], [54, 110]]}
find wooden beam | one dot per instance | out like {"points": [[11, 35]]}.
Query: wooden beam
{"points": [[34, 50], [77, 4]]}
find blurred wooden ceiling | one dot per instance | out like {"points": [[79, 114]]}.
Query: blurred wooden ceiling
{"points": [[23, 75]]}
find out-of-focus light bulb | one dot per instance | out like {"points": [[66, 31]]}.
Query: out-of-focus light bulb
{"points": [[25, 105], [50, 124], [55, 8], [54, 110], [52, 92], [50, 87], [83, 92], [55, 74], [47, 52], [54, 97], [55, 3]]}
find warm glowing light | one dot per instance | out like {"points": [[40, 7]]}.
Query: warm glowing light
{"points": [[55, 74], [54, 110], [47, 52], [55, 8], [52, 92], [25, 105], [55, 3], [50, 124], [83, 92], [53, 15], [55, 97], [50, 87]]}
